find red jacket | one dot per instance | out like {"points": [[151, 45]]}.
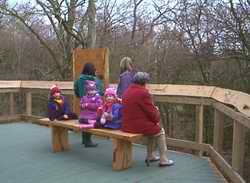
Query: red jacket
{"points": [[139, 113]]}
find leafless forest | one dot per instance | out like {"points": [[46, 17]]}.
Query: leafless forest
{"points": [[202, 42]]}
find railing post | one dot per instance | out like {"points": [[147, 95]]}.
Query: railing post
{"points": [[218, 131], [199, 125], [29, 103], [238, 147], [12, 103]]}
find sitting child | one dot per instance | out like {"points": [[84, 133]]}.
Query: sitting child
{"points": [[58, 107], [110, 111], [89, 105]]}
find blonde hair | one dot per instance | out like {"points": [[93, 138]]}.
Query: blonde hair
{"points": [[126, 64]]}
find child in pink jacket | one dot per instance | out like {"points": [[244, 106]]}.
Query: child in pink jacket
{"points": [[89, 105]]}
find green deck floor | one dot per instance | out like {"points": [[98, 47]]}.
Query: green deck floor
{"points": [[26, 157]]}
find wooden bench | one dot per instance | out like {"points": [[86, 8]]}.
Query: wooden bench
{"points": [[122, 141]]}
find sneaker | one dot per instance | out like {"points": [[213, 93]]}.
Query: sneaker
{"points": [[167, 163]]}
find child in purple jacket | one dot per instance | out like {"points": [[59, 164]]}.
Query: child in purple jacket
{"points": [[89, 105], [58, 107]]}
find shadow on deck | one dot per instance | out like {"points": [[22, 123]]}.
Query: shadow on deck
{"points": [[26, 157]]}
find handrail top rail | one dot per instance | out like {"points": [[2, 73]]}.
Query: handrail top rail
{"points": [[237, 99], [10, 84], [64, 85]]}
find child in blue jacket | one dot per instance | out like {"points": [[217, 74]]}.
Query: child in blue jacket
{"points": [[110, 112]]}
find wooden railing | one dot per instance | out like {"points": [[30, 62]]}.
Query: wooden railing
{"points": [[225, 102]]}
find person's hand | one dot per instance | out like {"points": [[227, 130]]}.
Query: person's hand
{"points": [[103, 121], [119, 100], [105, 114], [65, 116], [157, 108], [84, 106]]}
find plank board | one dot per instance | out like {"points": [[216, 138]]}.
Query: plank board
{"points": [[74, 125], [64, 85], [239, 117], [240, 100], [10, 118], [10, 84], [181, 90], [224, 167], [97, 56]]}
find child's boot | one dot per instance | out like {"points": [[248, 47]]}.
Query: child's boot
{"points": [[83, 137], [88, 141]]}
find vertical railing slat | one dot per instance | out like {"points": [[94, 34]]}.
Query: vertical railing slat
{"points": [[28, 103], [218, 131], [238, 147], [12, 104], [199, 125]]}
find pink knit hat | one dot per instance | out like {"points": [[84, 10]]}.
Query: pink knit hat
{"points": [[110, 92], [91, 86], [54, 89]]}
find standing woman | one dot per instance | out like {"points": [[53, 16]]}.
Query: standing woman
{"points": [[88, 73], [126, 75]]}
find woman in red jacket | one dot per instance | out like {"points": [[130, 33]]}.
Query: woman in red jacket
{"points": [[140, 115]]}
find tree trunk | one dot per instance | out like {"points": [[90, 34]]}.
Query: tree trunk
{"points": [[91, 39], [69, 42]]}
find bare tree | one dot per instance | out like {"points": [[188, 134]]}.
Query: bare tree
{"points": [[91, 12], [68, 25], [135, 18]]}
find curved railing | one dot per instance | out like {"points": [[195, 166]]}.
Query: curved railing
{"points": [[225, 102]]}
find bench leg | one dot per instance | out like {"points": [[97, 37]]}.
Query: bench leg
{"points": [[122, 154], [60, 140]]}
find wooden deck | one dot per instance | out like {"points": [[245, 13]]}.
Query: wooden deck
{"points": [[26, 157]]}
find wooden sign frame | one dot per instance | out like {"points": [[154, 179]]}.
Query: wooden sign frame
{"points": [[99, 57]]}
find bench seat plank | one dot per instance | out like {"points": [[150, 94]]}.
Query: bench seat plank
{"points": [[117, 134], [74, 125]]}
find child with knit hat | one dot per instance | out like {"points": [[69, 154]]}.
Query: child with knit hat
{"points": [[89, 105], [110, 112], [58, 107]]}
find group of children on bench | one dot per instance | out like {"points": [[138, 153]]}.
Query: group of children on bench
{"points": [[97, 111]]}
